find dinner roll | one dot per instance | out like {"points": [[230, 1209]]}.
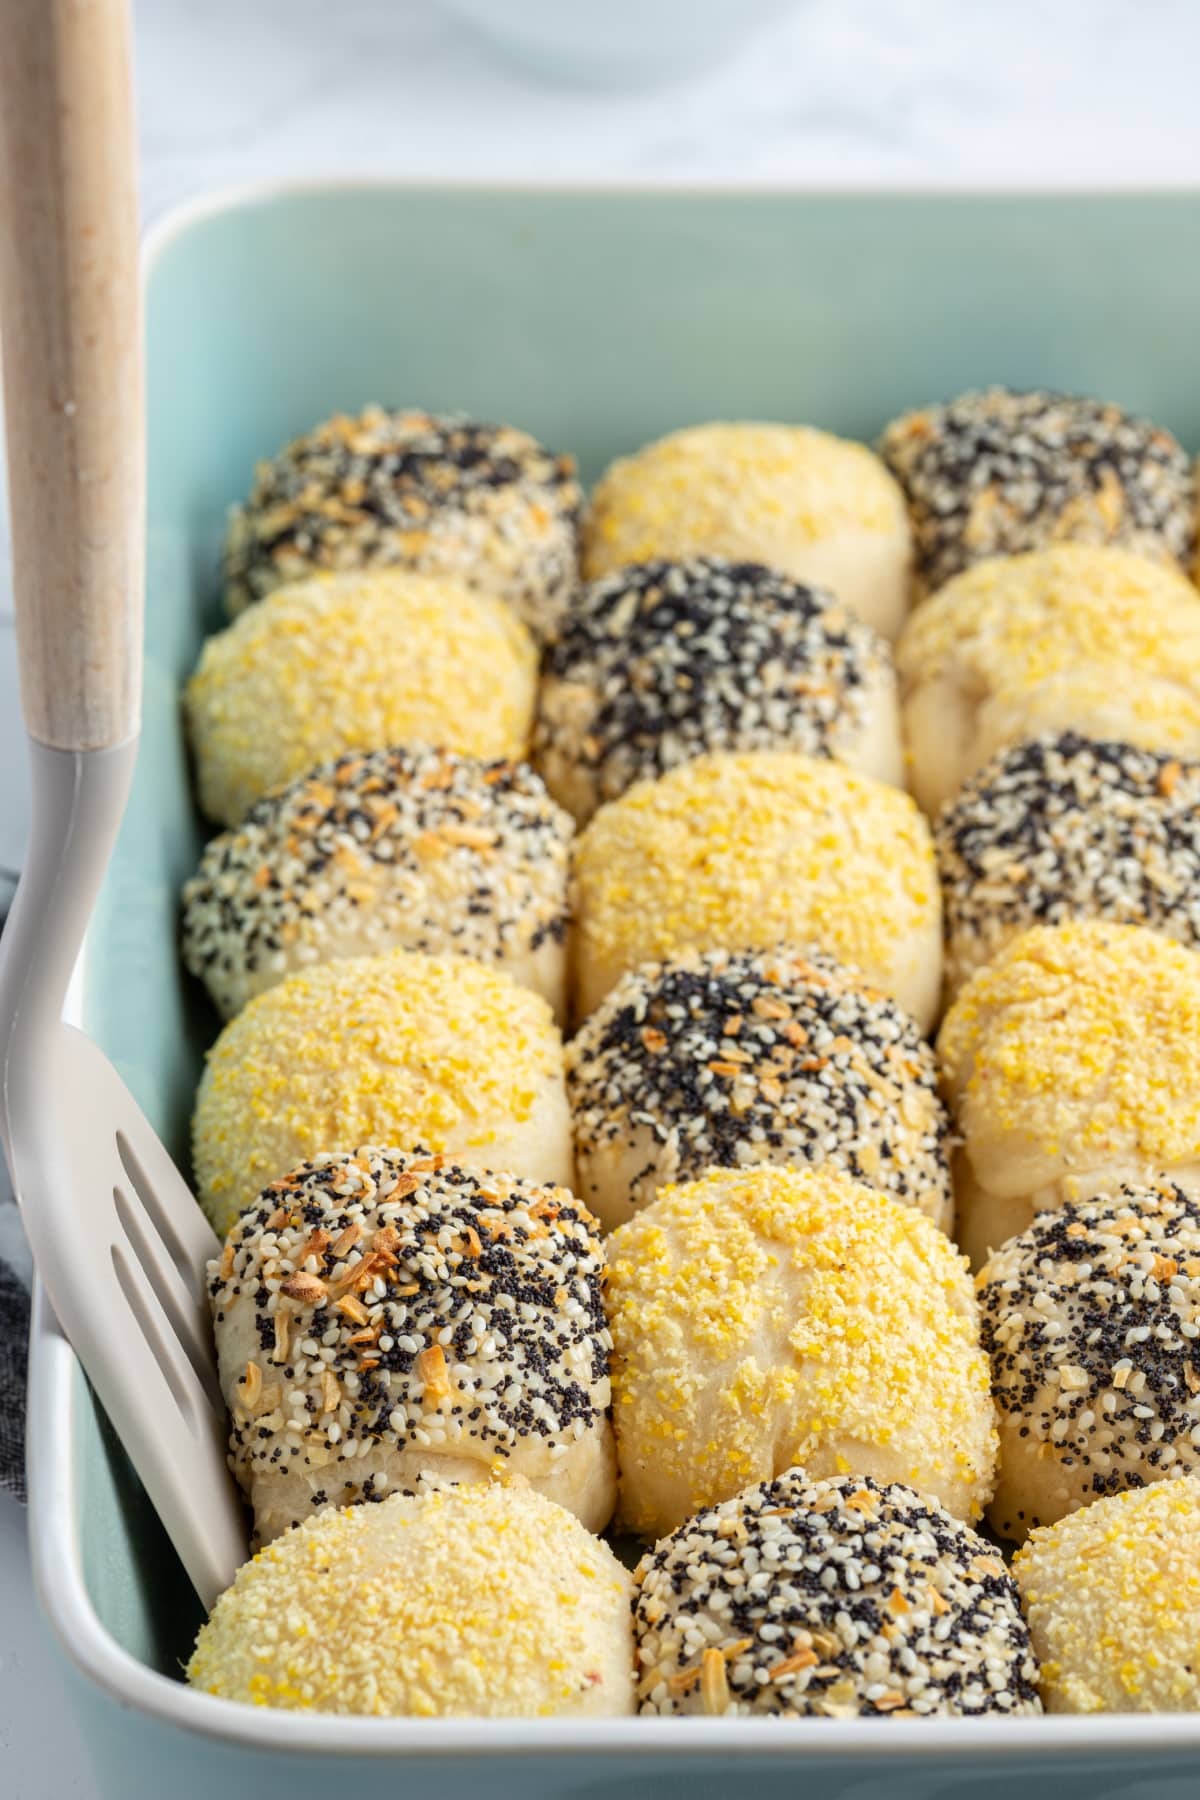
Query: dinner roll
{"points": [[1068, 827], [725, 1058], [764, 1317], [402, 1050], [353, 662], [1070, 1066], [1091, 1318], [971, 658], [409, 848], [663, 661], [840, 1598], [994, 473], [485, 1351], [744, 852], [816, 507], [484, 505], [471, 1602], [1151, 711], [1112, 1595]]}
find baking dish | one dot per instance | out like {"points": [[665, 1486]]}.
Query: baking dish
{"points": [[597, 319]]}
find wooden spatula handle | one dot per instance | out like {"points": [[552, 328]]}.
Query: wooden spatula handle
{"points": [[70, 327]]}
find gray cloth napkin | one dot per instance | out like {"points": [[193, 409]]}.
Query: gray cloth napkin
{"points": [[14, 1365], [14, 1318]]}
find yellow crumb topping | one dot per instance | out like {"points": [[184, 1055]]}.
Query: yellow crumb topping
{"points": [[766, 1317], [400, 1049], [731, 490], [745, 851], [1112, 1595], [1078, 1042], [355, 662], [1151, 711], [488, 1601], [1012, 621]]}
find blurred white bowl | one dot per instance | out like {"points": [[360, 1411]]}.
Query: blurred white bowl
{"points": [[619, 42]]}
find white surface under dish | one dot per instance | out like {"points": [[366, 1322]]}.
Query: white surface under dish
{"points": [[892, 92], [42, 1756]]}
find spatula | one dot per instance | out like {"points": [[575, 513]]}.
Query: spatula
{"points": [[117, 1237]]}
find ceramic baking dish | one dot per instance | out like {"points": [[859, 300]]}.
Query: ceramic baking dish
{"points": [[596, 319]]}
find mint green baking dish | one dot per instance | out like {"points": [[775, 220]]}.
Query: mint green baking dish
{"points": [[596, 319]]}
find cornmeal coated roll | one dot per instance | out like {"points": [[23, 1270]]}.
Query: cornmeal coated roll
{"points": [[1068, 827], [385, 1317], [1091, 1318], [409, 848], [353, 662], [813, 506], [401, 1049], [743, 852], [1151, 711], [1069, 1065], [484, 505], [663, 661], [765, 1317], [971, 661], [1112, 1595], [838, 1599], [470, 1602], [727, 1058], [998, 472]]}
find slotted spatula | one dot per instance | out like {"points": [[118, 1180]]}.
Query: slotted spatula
{"points": [[117, 1237]]}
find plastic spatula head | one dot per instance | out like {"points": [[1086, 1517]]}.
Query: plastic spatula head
{"points": [[118, 1239]]}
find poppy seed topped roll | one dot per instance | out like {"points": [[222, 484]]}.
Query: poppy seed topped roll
{"points": [[381, 1317], [973, 659], [839, 1598], [355, 662], [727, 1058], [663, 661], [1069, 1064], [1112, 1595], [764, 1317], [471, 1602], [746, 851], [408, 848], [813, 506], [1091, 1318], [484, 505], [1068, 827], [400, 1049], [999, 472]]}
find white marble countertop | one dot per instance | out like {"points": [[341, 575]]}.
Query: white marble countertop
{"points": [[886, 92], [895, 91]]}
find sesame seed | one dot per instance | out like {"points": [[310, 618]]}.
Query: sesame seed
{"points": [[1063, 827], [996, 473], [663, 661], [360, 857], [836, 1617], [391, 1402], [1117, 1349], [876, 1116], [447, 496]]}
